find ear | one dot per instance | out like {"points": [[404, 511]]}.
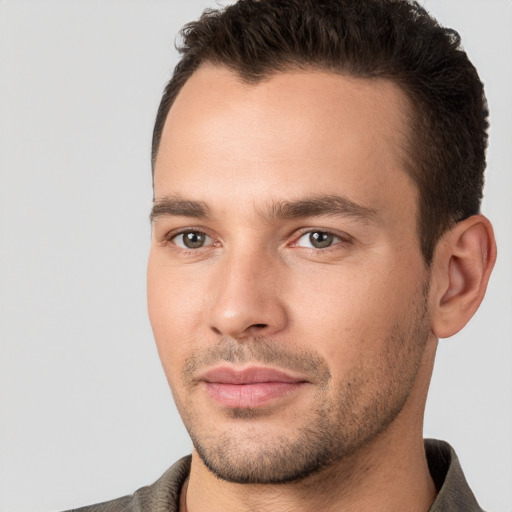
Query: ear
{"points": [[462, 265]]}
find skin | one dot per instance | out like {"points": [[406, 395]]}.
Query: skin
{"points": [[355, 321]]}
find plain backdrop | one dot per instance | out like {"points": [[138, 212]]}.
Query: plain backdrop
{"points": [[85, 411]]}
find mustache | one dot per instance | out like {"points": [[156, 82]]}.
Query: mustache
{"points": [[258, 351]]}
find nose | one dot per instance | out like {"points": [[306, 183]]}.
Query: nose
{"points": [[246, 296]]}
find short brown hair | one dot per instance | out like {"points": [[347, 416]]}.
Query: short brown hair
{"points": [[391, 39]]}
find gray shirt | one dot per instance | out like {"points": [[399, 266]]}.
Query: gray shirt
{"points": [[454, 494]]}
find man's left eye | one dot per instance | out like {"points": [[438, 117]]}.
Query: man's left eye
{"points": [[318, 240]]}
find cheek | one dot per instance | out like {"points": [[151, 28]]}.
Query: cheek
{"points": [[349, 314], [172, 306]]}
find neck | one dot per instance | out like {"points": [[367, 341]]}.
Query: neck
{"points": [[383, 484]]}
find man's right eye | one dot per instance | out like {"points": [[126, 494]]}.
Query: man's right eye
{"points": [[191, 239]]}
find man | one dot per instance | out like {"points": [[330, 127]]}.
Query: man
{"points": [[318, 170]]}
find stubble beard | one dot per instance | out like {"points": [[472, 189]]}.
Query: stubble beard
{"points": [[336, 427]]}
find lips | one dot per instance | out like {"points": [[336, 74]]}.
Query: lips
{"points": [[249, 388]]}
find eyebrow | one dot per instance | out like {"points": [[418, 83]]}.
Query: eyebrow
{"points": [[175, 206], [317, 206], [328, 205]]}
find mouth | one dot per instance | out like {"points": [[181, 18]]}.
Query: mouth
{"points": [[251, 387]]}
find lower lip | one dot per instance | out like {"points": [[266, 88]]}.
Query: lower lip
{"points": [[250, 395]]}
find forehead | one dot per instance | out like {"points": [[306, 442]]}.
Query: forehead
{"points": [[307, 129]]}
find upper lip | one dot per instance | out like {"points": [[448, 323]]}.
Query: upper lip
{"points": [[250, 375]]}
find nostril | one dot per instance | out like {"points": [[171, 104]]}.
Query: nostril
{"points": [[259, 326]]}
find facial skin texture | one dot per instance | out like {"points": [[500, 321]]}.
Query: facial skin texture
{"points": [[258, 168]]}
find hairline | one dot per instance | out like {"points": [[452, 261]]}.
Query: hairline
{"points": [[284, 67]]}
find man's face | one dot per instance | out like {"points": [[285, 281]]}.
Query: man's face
{"points": [[286, 286]]}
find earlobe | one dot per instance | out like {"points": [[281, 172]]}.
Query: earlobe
{"points": [[462, 266]]}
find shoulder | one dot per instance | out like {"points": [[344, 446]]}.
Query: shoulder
{"points": [[161, 496], [453, 490]]}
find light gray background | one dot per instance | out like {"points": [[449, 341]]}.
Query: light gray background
{"points": [[85, 413]]}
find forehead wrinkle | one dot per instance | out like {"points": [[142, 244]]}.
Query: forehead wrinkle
{"points": [[174, 205], [324, 205]]}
